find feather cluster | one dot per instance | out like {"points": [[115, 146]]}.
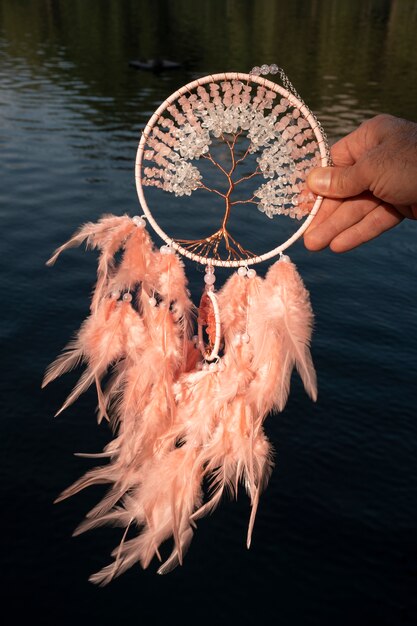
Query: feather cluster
{"points": [[178, 423]]}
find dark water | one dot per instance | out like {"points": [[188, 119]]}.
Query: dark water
{"points": [[336, 536]]}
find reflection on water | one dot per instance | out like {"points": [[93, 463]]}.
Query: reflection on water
{"points": [[335, 536], [366, 47]]}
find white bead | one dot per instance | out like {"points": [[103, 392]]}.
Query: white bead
{"points": [[256, 70], [285, 258], [152, 301], [166, 250], [209, 279], [251, 273], [245, 338], [264, 69], [273, 68], [115, 295], [213, 367], [127, 297], [242, 271], [139, 221]]}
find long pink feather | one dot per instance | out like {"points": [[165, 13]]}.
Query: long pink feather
{"points": [[99, 343], [95, 235], [285, 285]]}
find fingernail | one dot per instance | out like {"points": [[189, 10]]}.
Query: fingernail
{"points": [[319, 180]]}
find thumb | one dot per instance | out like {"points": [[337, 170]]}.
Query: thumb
{"points": [[336, 182]]}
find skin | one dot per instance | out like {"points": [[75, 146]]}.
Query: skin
{"points": [[371, 188]]}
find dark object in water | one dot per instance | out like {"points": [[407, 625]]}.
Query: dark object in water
{"points": [[155, 65]]}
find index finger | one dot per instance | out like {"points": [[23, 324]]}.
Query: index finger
{"points": [[349, 149], [367, 136]]}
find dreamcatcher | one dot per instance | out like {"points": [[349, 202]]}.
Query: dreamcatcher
{"points": [[188, 409]]}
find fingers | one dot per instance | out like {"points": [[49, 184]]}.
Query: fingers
{"points": [[378, 221], [348, 177], [367, 136], [328, 207], [348, 150], [335, 219], [352, 223]]}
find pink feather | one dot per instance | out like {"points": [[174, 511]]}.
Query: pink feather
{"points": [[96, 235], [99, 343], [285, 286], [137, 264]]}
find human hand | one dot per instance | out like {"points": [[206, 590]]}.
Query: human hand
{"points": [[372, 187]]}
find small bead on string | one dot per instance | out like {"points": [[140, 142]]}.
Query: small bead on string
{"points": [[209, 278], [264, 70], [139, 221]]}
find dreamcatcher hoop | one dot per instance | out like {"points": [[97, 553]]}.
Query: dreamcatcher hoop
{"points": [[295, 101]]}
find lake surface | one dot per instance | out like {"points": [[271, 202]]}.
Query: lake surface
{"points": [[335, 540]]}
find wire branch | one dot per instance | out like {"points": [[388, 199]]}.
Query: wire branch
{"points": [[255, 173], [215, 163], [203, 186], [244, 156], [209, 246], [250, 201]]}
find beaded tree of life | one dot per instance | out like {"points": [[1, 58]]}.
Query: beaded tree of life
{"points": [[189, 409]]}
